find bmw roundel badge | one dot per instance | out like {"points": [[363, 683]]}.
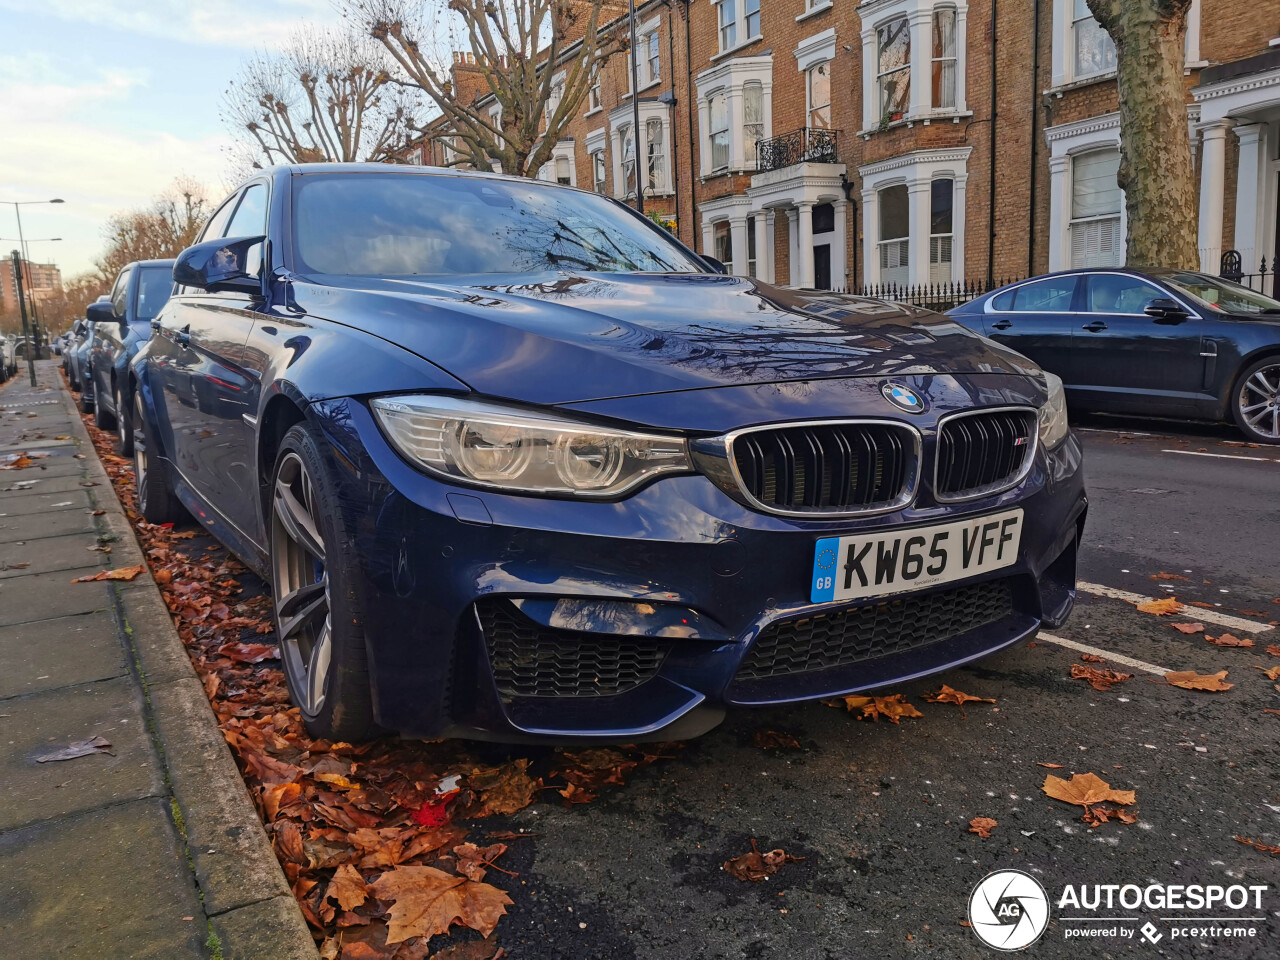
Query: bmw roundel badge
{"points": [[903, 397]]}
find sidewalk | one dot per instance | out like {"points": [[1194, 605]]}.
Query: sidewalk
{"points": [[153, 849]]}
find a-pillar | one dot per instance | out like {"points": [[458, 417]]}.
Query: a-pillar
{"points": [[738, 242], [1213, 173], [1250, 190], [805, 244]]}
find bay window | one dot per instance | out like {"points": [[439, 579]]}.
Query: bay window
{"points": [[657, 170], [719, 131], [734, 103], [914, 59], [941, 234], [894, 67], [895, 233], [598, 171], [944, 58], [752, 117], [1096, 201], [628, 161]]}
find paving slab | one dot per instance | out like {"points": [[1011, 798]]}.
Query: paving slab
{"points": [[56, 653], [256, 932], [57, 524], [111, 883], [45, 596], [17, 485], [15, 504], [50, 554], [50, 466], [31, 791]]}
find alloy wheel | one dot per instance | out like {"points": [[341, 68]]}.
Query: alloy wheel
{"points": [[300, 585], [122, 423], [139, 451], [1259, 401]]}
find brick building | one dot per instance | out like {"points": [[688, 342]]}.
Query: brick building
{"points": [[40, 282], [836, 144]]}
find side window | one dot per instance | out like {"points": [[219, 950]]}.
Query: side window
{"points": [[218, 222], [120, 294], [1004, 301], [250, 220], [1113, 293], [1052, 295]]}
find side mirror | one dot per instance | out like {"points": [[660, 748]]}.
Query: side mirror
{"points": [[716, 265], [1165, 310], [219, 265], [100, 312]]}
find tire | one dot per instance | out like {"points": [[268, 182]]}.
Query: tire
{"points": [[86, 401], [1255, 401], [101, 418], [319, 609], [124, 426], [156, 500]]}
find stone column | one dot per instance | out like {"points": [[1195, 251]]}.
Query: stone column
{"points": [[921, 62], [1250, 192], [840, 247], [708, 237], [738, 241], [870, 237], [918, 196], [805, 244], [793, 247], [1059, 213], [1213, 171], [764, 246]]}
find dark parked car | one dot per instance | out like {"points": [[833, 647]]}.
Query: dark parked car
{"points": [[1156, 342], [518, 465], [74, 338], [82, 358], [121, 325]]}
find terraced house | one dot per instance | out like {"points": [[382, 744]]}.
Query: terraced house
{"points": [[834, 144]]}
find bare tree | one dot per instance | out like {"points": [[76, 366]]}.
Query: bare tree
{"points": [[1155, 149], [537, 60], [326, 97], [163, 230]]}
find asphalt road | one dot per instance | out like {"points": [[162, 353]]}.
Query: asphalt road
{"points": [[880, 812]]}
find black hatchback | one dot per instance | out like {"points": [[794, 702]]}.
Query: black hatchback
{"points": [[1155, 342]]}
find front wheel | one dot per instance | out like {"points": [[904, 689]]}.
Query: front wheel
{"points": [[124, 426], [1256, 401], [156, 500], [101, 418], [314, 583]]}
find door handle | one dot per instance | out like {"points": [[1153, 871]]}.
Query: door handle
{"points": [[1001, 325], [1096, 327], [183, 337]]}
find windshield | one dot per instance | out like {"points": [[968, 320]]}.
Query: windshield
{"points": [[1223, 294], [388, 225], [154, 286]]}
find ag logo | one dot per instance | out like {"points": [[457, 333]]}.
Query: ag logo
{"points": [[1009, 910], [903, 397]]}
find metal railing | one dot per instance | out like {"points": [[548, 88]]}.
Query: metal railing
{"points": [[806, 145], [1266, 282], [931, 296]]}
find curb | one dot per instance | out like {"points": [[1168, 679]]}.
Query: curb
{"points": [[246, 897]]}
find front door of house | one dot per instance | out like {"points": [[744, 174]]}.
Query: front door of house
{"points": [[822, 266]]}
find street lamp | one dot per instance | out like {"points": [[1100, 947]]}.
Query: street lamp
{"points": [[32, 344]]}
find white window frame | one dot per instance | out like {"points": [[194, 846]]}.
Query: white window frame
{"points": [[596, 143], [1067, 141], [620, 119], [810, 54], [1064, 46], [730, 77], [563, 150], [646, 33], [741, 36], [554, 99], [919, 14], [917, 170], [594, 103]]}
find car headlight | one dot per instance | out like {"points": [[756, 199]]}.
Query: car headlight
{"points": [[525, 451], [1053, 415]]}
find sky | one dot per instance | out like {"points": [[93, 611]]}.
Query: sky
{"points": [[103, 103]]}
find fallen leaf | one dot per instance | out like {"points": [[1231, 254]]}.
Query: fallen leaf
{"points": [[774, 740], [1229, 640], [1274, 650], [473, 860], [1096, 816], [1188, 627], [15, 566], [1162, 607], [1169, 576], [1090, 658], [1257, 845], [1098, 678], [120, 573], [1271, 710], [1201, 604], [1051, 766], [948, 695], [277, 795], [1085, 789], [347, 887], [80, 748], [427, 902], [250, 652], [982, 826], [506, 789], [755, 866], [434, 812], [1190, 680], [1273, 673], [892, 707]]}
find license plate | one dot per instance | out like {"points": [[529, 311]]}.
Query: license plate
{"points": [[898, 561]]}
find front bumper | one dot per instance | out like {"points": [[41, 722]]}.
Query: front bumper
{"points": [[677, 566]]}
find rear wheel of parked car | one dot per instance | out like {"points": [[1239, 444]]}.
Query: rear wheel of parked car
{"points": [[1256, 401], [318, 610], [156, 500], [124, 426], [86, 401], [102, 419]]}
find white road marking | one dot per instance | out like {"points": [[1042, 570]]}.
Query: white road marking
{"points": [[1119, 658], [1221, 456], [1196, 613]]}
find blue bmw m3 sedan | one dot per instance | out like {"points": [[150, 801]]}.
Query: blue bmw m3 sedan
{"points": [[520, 466]]}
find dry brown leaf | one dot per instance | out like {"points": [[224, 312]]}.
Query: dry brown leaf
{"points": [[1271, 710], [1090, 658], [120, 573], [277, 795], [948, 695], [1190, 680], [347, 887], [1098, 815], [774, 740], [1098, 678], [1085, 789], [982, 826], [1188, 627], [429, 901], [473, 860], [1162, 607], [1274, 650], [1257, 845], [1169, 576], [1229, 640], [1051, 766], [506, 789], [892, 707], [755, 866], [1273, 673]]}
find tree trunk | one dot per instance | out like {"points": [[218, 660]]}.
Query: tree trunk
{"points": [[1155, 149]]}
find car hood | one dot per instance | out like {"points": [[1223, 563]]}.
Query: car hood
{"points": [[573, 338]]}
